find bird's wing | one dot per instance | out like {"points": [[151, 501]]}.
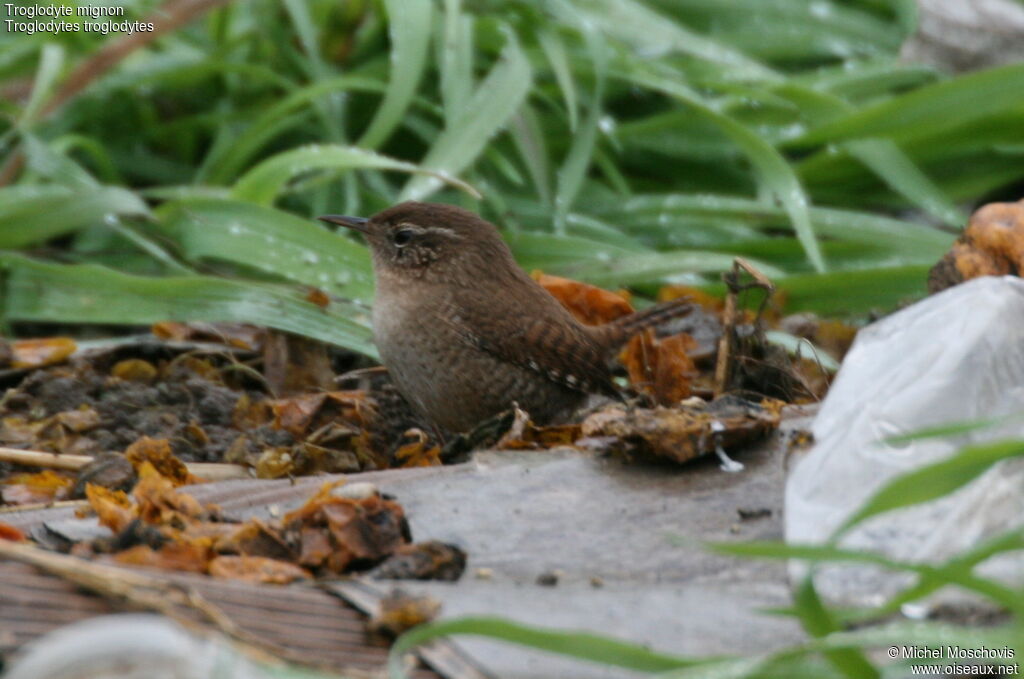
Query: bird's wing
{"points": [[540, 342]]}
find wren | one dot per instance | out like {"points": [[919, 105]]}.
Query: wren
{"points": [[466, 333]]}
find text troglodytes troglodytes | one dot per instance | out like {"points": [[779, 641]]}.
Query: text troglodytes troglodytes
{"points": [[465, 333]]}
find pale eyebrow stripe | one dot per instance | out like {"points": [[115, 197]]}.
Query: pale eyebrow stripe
{"points": [[419, 229]]}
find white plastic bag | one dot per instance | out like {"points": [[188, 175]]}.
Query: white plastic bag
{"points": [[954, 357]]}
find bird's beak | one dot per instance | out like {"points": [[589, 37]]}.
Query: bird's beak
{"points": [[356, 223]]}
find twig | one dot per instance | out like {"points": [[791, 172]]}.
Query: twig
{"points": [[211, 471], [62, 504], [723, 363]]}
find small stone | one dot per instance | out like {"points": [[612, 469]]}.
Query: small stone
{"points": [[483, 573], [549, 578]]}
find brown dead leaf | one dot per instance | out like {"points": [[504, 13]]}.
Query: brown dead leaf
{"points": [[257, 570], [236, 335], [685, 431], [35, 353], [661, 367], [39, 487], [157, 452], [588, 303], [430, 560], [77, 421], [255, 538], [360, 530]]}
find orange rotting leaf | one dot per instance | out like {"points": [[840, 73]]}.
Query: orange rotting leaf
{"points": [[318, 297], [10, 533], [417, 451], [160, 504], [39, 487], [175, 556], [588, 303], [34, 353], [257, 569], [661, 367], [113, 507], [157, 452]]}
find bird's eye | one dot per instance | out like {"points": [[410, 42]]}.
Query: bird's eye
{"points": [[402, 237]]}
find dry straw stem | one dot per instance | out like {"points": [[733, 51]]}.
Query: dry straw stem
{"points": [[209, 471]]}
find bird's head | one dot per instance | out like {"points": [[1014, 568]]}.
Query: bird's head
{"points": [[429, 241]]}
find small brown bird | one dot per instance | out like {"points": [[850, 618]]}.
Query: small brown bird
{"points": [[465, 333]]}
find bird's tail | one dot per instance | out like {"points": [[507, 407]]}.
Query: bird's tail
{"points": [[615, 333]]}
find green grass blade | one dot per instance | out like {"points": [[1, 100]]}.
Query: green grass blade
{"points": [[818, 622], [408, 24], [582, 645], [581, 151], [558, 59], [51, 60], [269, 240], [773, 171], [38, 291], [263, 183], [224, 164], [933, 481], [652, 33], [927, 110], [34, 213], [487, 112]]}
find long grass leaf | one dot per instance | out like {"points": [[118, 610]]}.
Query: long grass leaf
{"points": [[773, 171], [38, 291], [408, 22], [488, 110], [933, 481], [33, 213], [582, 645], [51, 59], [263, 183], [269, 240], [927, 110]]}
